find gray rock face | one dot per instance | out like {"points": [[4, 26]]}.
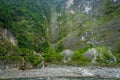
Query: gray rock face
{"points": [[6, 34], [80, 20], [106, 35]]}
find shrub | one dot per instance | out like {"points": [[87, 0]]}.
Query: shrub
{"points": [[10, 58], [107, 59], [34, 59], [53, 56], [79, 59], [26, 52]]}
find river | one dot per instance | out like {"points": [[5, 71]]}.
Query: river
{"points": [[63, 78]]}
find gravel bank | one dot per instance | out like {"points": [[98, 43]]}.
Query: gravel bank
{"points": [[62, 72]]}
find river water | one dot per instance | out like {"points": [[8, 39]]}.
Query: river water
{"points": [[62, 79]]}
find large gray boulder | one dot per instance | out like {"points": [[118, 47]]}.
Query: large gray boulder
{"points": [[100, 53], [67, 55]]}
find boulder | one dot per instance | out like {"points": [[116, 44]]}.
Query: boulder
{"points": [[67, 55]]}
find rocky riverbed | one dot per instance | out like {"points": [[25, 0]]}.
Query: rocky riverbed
{"points": [[98, 72]]}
